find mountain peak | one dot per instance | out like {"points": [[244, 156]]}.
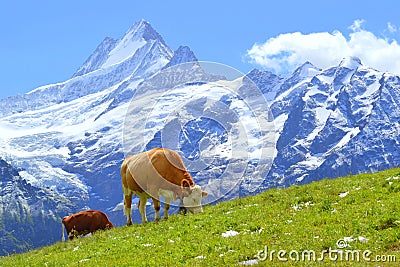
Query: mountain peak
{"points": [[143, 29], [307, 70], [115, 51], [182, 55], [136, 37], [256, 72], [350, 62]]}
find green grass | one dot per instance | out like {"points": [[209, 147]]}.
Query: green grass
{"points": [[296, 219]]}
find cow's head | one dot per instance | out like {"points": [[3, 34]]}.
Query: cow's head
{"points": [[192, 197]]}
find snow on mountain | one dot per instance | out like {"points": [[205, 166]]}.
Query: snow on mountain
{"points": [[334, 122], [67, 137], [99, 56], [267, 82], [62, 144], [221, 127], [113, 52], [23, 210], [181, 55], [112, 63]]}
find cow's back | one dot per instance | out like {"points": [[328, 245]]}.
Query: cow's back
{"points": [[88, 221], [159, 167], [168, 164], [135, 171], [100, 221]]}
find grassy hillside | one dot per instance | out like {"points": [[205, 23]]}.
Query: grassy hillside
{"points": [[357, 215]]}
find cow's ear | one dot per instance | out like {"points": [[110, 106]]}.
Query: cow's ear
{"points": [[204, 193]]}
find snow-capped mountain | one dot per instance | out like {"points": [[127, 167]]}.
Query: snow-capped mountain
{"points": [[61, 145], [27, 211], [64, 141], [139, 54], [335, 122]]}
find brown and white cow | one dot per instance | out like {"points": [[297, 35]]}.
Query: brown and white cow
{"points": [[159, 171], [85, 222]]}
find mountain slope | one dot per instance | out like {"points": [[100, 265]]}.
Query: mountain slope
{"points": [[352, 220], [27, 211], [69, 139]]}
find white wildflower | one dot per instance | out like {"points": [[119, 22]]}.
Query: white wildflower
{"points": [[229, 233], [249, 262], [363, 239], [296, 207]]}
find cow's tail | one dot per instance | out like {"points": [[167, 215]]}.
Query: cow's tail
{"points": [[63, 230]]}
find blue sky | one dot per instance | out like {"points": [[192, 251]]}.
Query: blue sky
{"points": [[44, 42]]}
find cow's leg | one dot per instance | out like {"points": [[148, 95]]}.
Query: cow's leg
{"points": [[128, 206], [168, 196], [166, 207], [72, 234], [157, 207], [182, 209], [142, 208], [156, 201]]}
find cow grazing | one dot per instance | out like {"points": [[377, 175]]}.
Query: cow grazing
{"points": [[85, 222], [159, 171]]}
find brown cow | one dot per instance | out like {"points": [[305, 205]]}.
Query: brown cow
{"points": [[159, 171], [85, 222]]}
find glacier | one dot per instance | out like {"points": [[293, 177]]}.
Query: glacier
{"points": [[61, 145]]}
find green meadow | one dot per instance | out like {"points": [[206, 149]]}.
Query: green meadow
{"points": [[352, 220]]}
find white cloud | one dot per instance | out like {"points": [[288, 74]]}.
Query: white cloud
{"points": [[391, 28], [356, 26], [285, 52]]}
